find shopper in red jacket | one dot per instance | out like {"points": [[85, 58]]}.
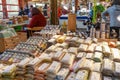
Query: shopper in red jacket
{"points": [[38, 20]]}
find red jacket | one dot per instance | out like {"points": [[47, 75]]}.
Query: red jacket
{"points": [[37, 21]]}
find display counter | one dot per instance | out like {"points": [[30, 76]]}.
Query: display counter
{"points": [[79, 20]]}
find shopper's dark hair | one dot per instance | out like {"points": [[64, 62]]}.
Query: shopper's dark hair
{"points": [[35, 11], [116, 2]]}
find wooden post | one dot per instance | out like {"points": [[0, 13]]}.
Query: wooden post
{"points": [[54, 18]]}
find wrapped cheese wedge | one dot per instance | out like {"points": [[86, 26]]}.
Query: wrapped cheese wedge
{"points": [[107, 78], [89, 55], [95, 40], [54, 67], [71, 76], [115, 54], [58, 49], [117, 69], [61, 39], [46, 57], [80, 41], [91, 47], [68, 59], [74, 39], [98, 49], [98, 56], [82, 75], [95, 76], [97, 67], [62, 74], [88, 64], [52, 41], [73, 50], [68, 39], [108, 67], [79, 64], [83, 47], [106, 51], [81, 54], [88, 41], [56, 36], [58, 55], [51, 48]]}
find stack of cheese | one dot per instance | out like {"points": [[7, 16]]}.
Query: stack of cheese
{"points": [[68, 60], [53, 70], [40, 72], [9, 72], [31, 67], [108, 67], [21, 68], [62, 74]]}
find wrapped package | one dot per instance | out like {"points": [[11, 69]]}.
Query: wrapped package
{"points": [[117, 69], [81, 54], [83, 47], [73, 50], [61, 39], [104, 43], [89, 55], [88, 41], [82, 75], [56, 36], [107, 78], [64, 45], [52, 41], [79, 64], [88, 64], [108, 67], [95, 40], [118, 44], [115, 54], [95, 76], [62, 74], [58, 49], [54, 68], [98, 49], [43, 67], [51, 48], [68, 38], [98, 56], [97, 67], [58, 55], [46, 57], [80, 41], [74, 39], [106, 50], [68, 59], [71, 76], [91, 47]]}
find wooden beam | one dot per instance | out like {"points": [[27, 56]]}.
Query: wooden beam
{"points": [[54, 18]]}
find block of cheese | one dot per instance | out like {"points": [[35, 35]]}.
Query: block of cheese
{"points": [[64, 45], [58, 55], [98, 56], [68, 38], [43, 67], [73, 50], [62, 74], [56, 36], [54, 67], [95, 76], [95, 40], [82, 75], [98, 49], [117, 69], [58, 49], [107, 78], [106, 50], [79, 64], [88, 41], [80, 41], [46, 57], [97, 67], [115, 54], [24, 62], [83, 47], [52, 41], [51, 48], [108, 67], [81, 54], [91, 47], [89, 55], [74, 39], [68, 59], [88, 64], [61, 39], [71, 76]]}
